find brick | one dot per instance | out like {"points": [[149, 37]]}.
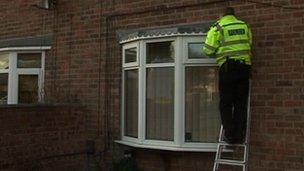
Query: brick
{"points": [[293, 103], [284, 83], [31, 134]]}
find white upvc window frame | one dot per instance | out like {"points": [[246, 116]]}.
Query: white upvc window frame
{"points": [[129, 46], [181, 61], [126, 67], [144, 66], [14, 72], [204, 62], [187, 60]]}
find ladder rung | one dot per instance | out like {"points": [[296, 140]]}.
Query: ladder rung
{"points": [[230, 162], [238, 145]]}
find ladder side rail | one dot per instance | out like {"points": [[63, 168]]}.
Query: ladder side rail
{"points": [[219, 150], [246, 155]]}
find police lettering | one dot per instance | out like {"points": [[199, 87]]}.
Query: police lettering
{"points": [[236, 32]]}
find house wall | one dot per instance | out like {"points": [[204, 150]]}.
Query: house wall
{"points": [[84, 67], [277, 78], [42, 138]]}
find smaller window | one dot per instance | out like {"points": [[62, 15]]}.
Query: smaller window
{"points": [[195, 50], [193, 53], [160, 52], [29, 60], [130, 55]]}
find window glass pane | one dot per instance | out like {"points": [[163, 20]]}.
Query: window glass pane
{"points": [[130, 55], [195, 51], [3, 88], [131, 103], [160, 52], [28, 89], [202, 113], [29, 60], [4, 61], [160, 103]]}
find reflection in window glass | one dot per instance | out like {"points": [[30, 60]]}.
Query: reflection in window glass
{"points": [[28, 89], [195, 50], [4, 61], [130, 55], [29, 60], [202, 114], [3, 88], [160, 52], [131, 103], [160, 103]]}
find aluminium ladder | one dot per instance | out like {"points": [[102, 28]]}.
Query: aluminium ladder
{"points": [[222, 144]]}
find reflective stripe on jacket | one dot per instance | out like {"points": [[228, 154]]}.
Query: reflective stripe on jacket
{"points": [[229, 37]]}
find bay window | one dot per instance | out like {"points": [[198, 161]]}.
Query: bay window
{"points": [[170, 94]]}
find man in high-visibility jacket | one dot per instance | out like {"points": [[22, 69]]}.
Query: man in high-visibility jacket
{"points": [[229, 41]]}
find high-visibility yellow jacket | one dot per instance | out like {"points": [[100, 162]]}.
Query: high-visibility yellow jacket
{"points": [[229, 37]]}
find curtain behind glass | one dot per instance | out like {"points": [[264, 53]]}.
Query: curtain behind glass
{"points": [[131, 103], [28, 89], [202, 114], [160, 103], [3, 88], [4, 61], [160, 52]]}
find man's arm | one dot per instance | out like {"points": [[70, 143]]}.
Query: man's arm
{"points": [[212, 42]]}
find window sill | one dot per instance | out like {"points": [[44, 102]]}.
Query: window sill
{"points": [[186, 148]]}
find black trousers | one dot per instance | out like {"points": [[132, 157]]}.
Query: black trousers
{"points": [[233, 88]]}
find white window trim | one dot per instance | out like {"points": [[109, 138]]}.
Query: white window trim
{"points": [[126, 138], [187, 40], [181, 61], [14, 72], [126, 67], [143, 103], [129, 46], [31, 48]]}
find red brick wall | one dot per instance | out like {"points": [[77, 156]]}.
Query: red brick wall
{"points": [[278, 74], [163, 160], [19, 18], [84, 66], [42, 138]]}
